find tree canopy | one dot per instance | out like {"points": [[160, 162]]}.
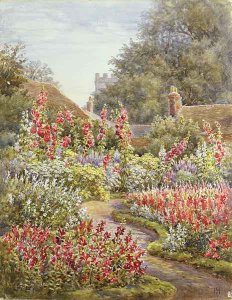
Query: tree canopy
{"points": [[186, 43], [38, 71], [11, 68]]}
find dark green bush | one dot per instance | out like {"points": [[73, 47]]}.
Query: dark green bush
{"points": [[165, 132]]}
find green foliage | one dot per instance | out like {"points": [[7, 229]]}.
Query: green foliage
{"points": [[166, 131], [186, 43], [11, 111], [90, 181], [11, 69], [149, 287], [143, 173], [124, 216], [141, 90], [39, 202], [155, 248]]}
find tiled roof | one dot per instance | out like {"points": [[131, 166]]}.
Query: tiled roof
{"points": [[140, 130]]}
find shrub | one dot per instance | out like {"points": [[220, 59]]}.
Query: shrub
{"points": [[142, 173], [40, 202], [41, 261], [165, 132], [90, 181], [176, 239]]}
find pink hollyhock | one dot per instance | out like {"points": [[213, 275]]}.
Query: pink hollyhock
{"points": [[66, 141], [68, 116], [60, 118], [42, 99]]}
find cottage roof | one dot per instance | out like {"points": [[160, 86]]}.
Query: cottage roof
{"points": [[56, 100], [221, 113]]}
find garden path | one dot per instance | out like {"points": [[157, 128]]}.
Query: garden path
{"points": [[191, 283]]}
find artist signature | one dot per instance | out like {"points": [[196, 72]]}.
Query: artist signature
{"points": [[229, 294], [218, 292]]}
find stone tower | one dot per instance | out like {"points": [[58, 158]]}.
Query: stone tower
{"points": [[101, 82]]}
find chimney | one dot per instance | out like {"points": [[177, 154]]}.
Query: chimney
{"points": [[97, 76], [90, 105], [175, 103]]}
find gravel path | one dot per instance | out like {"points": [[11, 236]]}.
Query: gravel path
{"points": [[191, 283]]}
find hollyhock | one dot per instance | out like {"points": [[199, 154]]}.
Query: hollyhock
{"points": [[103, 114], [40, 132], [60, 118], [176, 150], [47, 137], [86, 127], [54, 128], [35, 114], [68, 116], [90, 141], [42, 99], [33, 130], [66, 141], [34, 145], [106, 160]]}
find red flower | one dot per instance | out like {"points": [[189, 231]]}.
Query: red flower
{"points": [[68, 116], [86, 127], [35, 144], [33, 130], [47, 138], [35, 113], [66, 141], [42, 99], [106, 161], [103, 114], [90, 141], [40, 132], [59, 118]]}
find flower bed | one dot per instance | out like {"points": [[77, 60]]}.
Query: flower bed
{"points": [[198, 217], [219, 267], [38, 260]]}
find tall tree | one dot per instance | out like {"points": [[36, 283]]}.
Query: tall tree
{"points": [[186, 43], [11, 68], [38, 71]]}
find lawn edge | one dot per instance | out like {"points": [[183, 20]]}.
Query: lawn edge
{"points": [[220, 267]]}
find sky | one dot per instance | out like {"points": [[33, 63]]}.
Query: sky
{"points": [[76, 38]]}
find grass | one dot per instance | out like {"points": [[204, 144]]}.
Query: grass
{"points": [[148, 288], [220, 267]]}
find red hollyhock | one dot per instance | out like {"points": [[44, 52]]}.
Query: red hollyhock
{"points": [[106, 160], [66, 141]]}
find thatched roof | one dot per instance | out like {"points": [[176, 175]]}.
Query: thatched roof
{"points": [[221, 113], [56, 100]]}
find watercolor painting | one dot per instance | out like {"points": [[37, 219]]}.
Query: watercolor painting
{"points": [[115, 149]]}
